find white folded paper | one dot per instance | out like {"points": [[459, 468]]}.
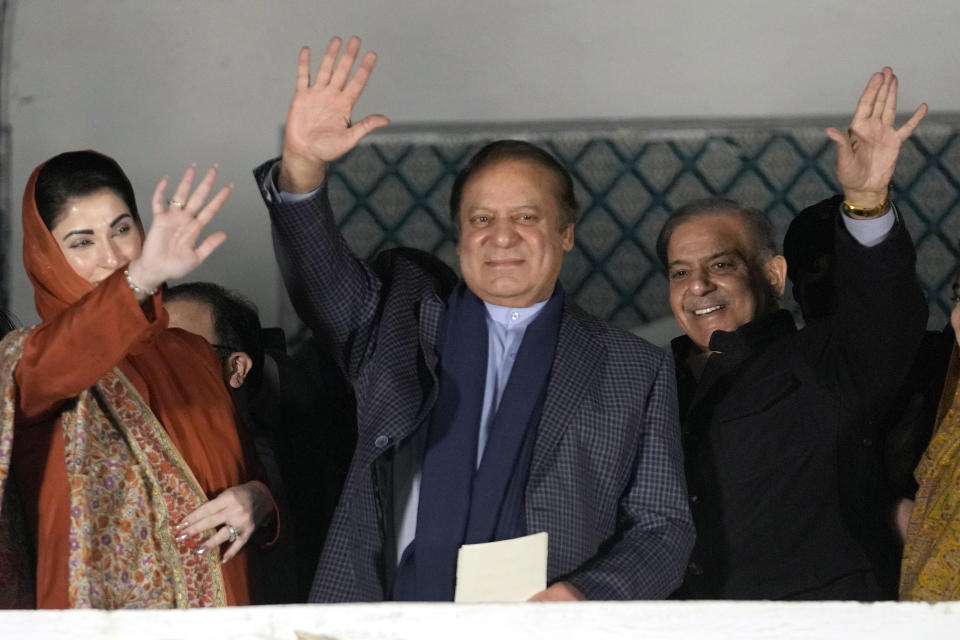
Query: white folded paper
{"points": [[503, 571]]}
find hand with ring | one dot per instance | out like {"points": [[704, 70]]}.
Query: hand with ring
{"points": [[172, 247], [235, 514]]}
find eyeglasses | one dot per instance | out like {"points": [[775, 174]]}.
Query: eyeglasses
{"points": [[224, 350]]}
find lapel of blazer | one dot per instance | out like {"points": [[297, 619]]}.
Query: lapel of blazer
{"points": [[574, 365], [431, 314]]}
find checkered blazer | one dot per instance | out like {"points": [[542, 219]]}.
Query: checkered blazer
{"points": [[606, 479]]}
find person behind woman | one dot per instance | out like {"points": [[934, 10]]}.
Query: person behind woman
{"points": [[6, 324], [931, 555], [127, 461]]}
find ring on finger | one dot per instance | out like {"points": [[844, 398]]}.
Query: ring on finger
{"points": [[233, 533], [176, 203]]}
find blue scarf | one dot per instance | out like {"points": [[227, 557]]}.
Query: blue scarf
{"points": [[460, 504]]}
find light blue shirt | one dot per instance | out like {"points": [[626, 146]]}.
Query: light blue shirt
{"points": [[506, 327], [872, 231]]}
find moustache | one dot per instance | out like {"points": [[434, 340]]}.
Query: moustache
{"points": [[704, 303]]}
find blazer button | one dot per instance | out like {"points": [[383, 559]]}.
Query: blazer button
{"points": [[694, 569], [381, 441], [694, 498]]}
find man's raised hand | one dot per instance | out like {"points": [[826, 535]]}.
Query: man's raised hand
{"points": [[867, 152], [319, 127]]}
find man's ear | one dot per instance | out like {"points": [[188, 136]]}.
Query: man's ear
{"points": [[775, 271], [567, 235], [239, 365]]}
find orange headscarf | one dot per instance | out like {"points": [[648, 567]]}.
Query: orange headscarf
{"points": [[55, 284], [176, 372]]}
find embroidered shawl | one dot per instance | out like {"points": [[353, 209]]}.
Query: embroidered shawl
{"points": [[931, 555], [128, 485]]}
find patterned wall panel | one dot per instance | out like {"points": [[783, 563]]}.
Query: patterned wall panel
{"points": [[393, 190]]}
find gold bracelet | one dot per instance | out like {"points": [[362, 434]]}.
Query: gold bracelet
{"points": [[853, 210]]}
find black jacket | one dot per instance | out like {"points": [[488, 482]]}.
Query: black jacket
{"points": [[774, 436]]}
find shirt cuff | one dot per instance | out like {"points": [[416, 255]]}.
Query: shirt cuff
{"points": [[276, 517], [270, 186], [871, 231]]}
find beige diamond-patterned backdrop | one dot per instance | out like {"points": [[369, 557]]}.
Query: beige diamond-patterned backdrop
{"points": [[393, 190]]}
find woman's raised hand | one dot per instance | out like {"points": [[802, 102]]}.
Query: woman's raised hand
{"points": [[171, 249]]}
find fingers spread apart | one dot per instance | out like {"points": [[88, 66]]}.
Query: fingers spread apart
{"points": [[907, 128], [333, 72]]}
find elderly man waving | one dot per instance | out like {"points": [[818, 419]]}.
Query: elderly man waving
{"points": [[768, 412], [487, 410]]}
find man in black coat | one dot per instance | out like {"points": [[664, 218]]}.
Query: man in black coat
{"points": [[883, 447], [765, 408]]}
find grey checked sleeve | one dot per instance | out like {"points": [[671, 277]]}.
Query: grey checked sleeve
{"points": [[333, 291], [656, 532]]}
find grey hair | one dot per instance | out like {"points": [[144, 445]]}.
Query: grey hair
{"points": [[758, 225]]}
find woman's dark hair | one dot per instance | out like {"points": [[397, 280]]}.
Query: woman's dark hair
{"points": [[80, 173]]}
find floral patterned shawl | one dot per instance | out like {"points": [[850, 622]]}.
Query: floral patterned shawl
{"points": [[931, 556], [128, 485]]}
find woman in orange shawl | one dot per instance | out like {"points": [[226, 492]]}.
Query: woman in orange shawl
{"points": [[117, 432]]}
